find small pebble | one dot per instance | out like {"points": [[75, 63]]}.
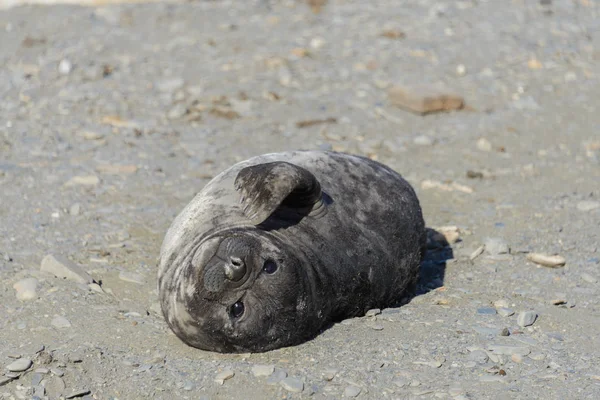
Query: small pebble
{"points": [[5, 379], [60, 322], [423, 140], [131, 277], [223, 376], [502, 303], [26, 289], [505, 312], [373, 312], [526, 318], [36, 378], [505, 332], [77, 393], [589, 278], [75, 209], [507, 350], [65, 67], [276, 377], [486, 311], [263, 370], [588, 205], [20, 365], [177, 111], [477, 252], [352, 391], [87, 180], [496, 246], [484, 145], [64, 268], [479, 356], [293, 385], [554, 261]]}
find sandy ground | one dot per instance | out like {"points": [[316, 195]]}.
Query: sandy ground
{"points": [[112, 118]]}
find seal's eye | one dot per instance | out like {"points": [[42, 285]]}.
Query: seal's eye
{"points": [[270, 267], [237, 309]]}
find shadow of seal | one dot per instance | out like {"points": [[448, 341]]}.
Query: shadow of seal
{"points": [[276, 248]]}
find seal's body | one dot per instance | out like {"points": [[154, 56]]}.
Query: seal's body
{"points": [[276, 247]]}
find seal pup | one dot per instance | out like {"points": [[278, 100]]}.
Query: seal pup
{"points": [[276, 247]]}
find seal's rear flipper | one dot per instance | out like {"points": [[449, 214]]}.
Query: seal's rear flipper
{"points": [[266, 187]]}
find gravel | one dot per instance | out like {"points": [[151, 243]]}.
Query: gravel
{"points": [[93, 172]]}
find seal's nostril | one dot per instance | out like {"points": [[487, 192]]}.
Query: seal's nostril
{"points": [[235, 269], [236, 261]]}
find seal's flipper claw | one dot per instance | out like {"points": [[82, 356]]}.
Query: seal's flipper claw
{"points": [[266, 187]]}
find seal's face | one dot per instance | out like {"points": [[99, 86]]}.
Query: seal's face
{"points": [[245, 291]]}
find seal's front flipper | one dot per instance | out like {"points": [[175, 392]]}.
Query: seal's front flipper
{"points": [[266, 187]]}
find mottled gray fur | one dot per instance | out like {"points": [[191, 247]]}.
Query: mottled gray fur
{"points": [[344, 234]]}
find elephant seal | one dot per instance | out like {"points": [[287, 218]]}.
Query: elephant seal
{"points": [[276, 247]]}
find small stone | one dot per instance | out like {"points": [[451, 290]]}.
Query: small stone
{"points": [[554, 261], [170, 85], [77, 393], [423, 140], [54, 386], [276, 377], [5, 380], [425, 99], [589, 278], [94, 287], [263, 370], [451, 233], [36, 379], [131, 277], [223, 376], [505, 332], [588, 205], [352, 391], [461, 70], [373, 312], [501, 303], [26, 289], [433, 364], [115, 169], [329, 374], [505, 312], [84, 180], [177, 111], [501, 349], [484, 145], [476, 253], [293, 385], [496, 246], [558, 302], [20, 365], [526, 318], [317, 43], [63, 268], [75, 209], [60, 322], [479, 356], [486, 311], [57, 371], [65, 67], [91, 135], [537, 356]]}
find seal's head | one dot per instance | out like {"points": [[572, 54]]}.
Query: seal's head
{"points": [[243, 290], [248, 288]]}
